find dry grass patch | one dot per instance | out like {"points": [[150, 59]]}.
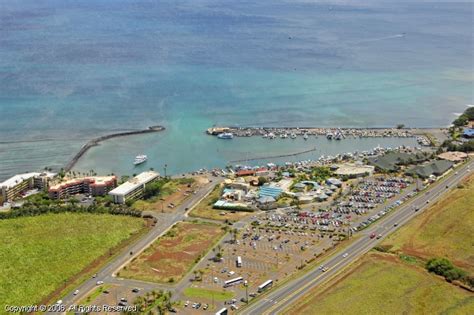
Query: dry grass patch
{"points": [[384, 284], [170, 257], [445, 230]]}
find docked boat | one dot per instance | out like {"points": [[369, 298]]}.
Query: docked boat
{"points": [[271, 135], [283, 136], [305, 136], [293, 136], [139, 159], [225, 135], [329, 135]]}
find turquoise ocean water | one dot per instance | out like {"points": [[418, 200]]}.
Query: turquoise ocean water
{"points": [[70, 71]]}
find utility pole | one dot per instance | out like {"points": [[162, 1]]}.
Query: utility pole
{"points": [[246, 284]]}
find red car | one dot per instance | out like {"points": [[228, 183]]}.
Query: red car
{"points": [[372, 235]]}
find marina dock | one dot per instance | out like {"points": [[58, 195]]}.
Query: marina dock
{"points": [[330, 133]]}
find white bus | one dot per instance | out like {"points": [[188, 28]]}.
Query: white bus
{"points": [[222, 312], [239, 261], [234, 281], [264, 286]]}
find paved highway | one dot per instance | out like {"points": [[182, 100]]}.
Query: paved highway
{"points": [[165, 221], [274, 302]]}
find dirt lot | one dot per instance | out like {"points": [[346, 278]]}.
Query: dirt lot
{"points": [[174, 193], [171, 256]]}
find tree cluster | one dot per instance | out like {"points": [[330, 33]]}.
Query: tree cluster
{"points": [[444, 267], [464, 118]]}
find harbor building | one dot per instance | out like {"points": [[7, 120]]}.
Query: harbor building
{"points": [[94, 185], [354, 170], [468, 133], [133, 188], [14, 187]]}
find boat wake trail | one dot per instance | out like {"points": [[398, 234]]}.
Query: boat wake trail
{"points": [[380, 38]]}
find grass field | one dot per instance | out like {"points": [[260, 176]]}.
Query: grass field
{"points": [[40, 254], [204, 209], [444, 230], [170, 257], [384, 284], [200, 293]]}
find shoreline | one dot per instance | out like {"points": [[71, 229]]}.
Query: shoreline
{"points": [[96, 141], [348, 133]]}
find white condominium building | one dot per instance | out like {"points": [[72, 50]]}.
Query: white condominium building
{"points": [[133, 188]]}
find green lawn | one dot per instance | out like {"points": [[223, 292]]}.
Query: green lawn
{"points": [[383, 284], [193, 292], [444, 230], [39, 254]]}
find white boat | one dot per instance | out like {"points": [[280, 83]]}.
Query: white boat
{"points": [[305, 136], [225, 135], [271, 135], [139, 159], [329, 135], [265, 136], [293, 136], [284, 136]]}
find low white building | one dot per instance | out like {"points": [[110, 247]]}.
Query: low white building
{"points": [[354, 170], [133, 188]]}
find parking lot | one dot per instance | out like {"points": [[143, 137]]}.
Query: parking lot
{"points": [[276, 243]]}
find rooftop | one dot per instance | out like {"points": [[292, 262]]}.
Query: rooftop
{"points": [[15, 180], [269, 191], [353, 169], [436, 168], [135, 182], [391, 160], [96, 180], [453, 156], [468, 132]]}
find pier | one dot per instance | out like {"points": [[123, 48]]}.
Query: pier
{"points": [[96, 141], [330, 133], [273, 156]]}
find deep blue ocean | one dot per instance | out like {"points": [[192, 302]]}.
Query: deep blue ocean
{"points": [[72, 70]]}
